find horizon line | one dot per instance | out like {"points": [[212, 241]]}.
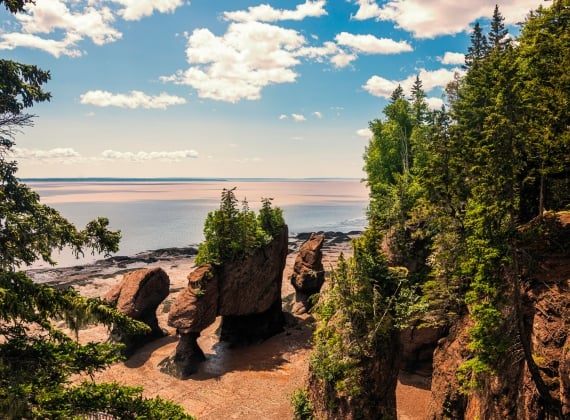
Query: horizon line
{"points": [[181, 179]]}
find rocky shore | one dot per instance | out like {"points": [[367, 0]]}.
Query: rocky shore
{"points": [[244, 382]]}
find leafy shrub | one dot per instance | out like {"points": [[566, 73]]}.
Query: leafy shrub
{"points": [[302, 407]]}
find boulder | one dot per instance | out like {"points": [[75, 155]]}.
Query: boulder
{"points": [[308, 272], [138, 296]]}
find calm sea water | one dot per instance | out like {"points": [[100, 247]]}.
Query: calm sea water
{"points": [[155, 214]]}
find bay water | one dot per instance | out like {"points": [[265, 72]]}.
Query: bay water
{"points": [[163, 213]]}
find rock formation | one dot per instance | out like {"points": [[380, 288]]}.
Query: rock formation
{"points": [[138, 295], [308, 272], [532, 380], [418, 345], [378, 388], [246, 293]]}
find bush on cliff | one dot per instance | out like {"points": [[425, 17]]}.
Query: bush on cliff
{"points": [[231, 233]]}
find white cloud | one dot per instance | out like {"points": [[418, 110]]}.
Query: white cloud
{"points": [[283, 117], [57, 26], [76, 23], [343, 59], [434, 103], [298, 117], [237, 65], [59, 153], [367, 9], [318, 114], [369, 44], [431, 18], [69, 156], [135, 99], [51, 46], [329, 50], [137, 9], [379, 86], [146, 156], [453, 58], [364, 132], [266, 13]]}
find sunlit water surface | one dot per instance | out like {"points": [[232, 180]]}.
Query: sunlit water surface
{"points": [[155, 214]]}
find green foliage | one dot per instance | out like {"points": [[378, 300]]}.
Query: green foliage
{"points": [[113, 399], [302, 407], [231, 234], [452, 186], [354, 315], [15, 6], [36, 359]]}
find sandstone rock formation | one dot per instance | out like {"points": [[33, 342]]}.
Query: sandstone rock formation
{"points": [[246, 293], [378, 396], [418, 345], [308, 272], [138, 295], [532, 380]]}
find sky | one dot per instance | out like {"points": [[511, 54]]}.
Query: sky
{"points": [[229, 88]]}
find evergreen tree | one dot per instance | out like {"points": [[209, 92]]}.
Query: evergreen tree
{"points": [[36, 359], [231, 234], [419, 105], [498, 33], [479, 47]]}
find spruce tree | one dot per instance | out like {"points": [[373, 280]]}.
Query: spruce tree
{"points": [[479, 47], [498, 33]]}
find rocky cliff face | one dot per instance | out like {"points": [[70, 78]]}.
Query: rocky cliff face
{"points": [[532, 380]]}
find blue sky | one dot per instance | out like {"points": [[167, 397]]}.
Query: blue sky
{"points": [[240, 88]]}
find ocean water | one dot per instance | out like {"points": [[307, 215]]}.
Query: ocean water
{"points": [[163, 213]]}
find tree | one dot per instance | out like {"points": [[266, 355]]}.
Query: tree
{"points": [[479, 47], [498, 33], [419, 105], [36, 359], [230, 234]]}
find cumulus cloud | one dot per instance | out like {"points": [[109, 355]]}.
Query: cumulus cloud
{"points": [[66, 46], [318, 114], [369, 44], [58, 26], [298, 117], [135, 99], [453, 58], [239, 64], [364, 132], [431, 18], [283, 117], [137, 9], [142, 156], [431, 79], [266, 13]]}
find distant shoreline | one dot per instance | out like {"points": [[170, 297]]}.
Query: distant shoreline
{"points": [[64, 276], [182, 179]]}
